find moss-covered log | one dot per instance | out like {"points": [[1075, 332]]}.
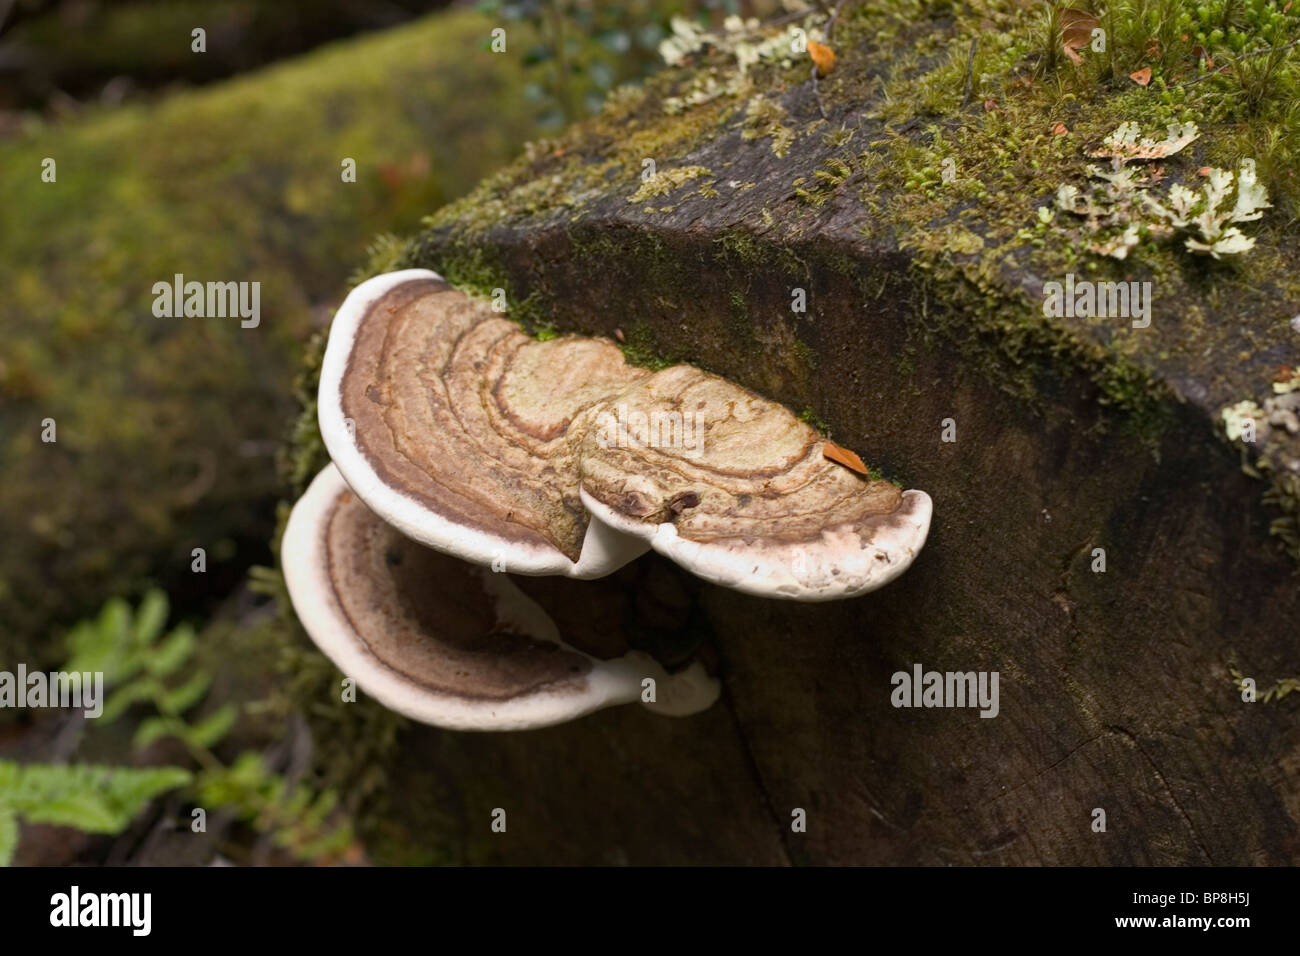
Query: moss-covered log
{"points": [[166, 428], [115, 48], [925, 308]]}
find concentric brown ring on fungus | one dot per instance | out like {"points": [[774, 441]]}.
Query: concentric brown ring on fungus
{"points": [[458, 428], [445, 642], [740, 492]]}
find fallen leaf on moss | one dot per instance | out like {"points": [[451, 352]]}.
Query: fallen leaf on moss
{"points": [[1076, 32], [1060, 129], [842, 456], [1141, 77], [990, 105], [823, 56]]}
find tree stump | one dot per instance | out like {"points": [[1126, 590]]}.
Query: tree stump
{"points": [[690, 232]]}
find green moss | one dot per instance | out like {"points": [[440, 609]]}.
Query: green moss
{"points": [[764, 118], [551, 176], [995, 152], [166, 427], [304, 455], [809, 416], [739, 321], [741, 246], [641, 349], [473, 268], [386, 253], [824, 182], [666, 181]]}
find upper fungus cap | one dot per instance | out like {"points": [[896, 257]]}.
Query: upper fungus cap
{"points": [[559, 458], [444, 642]]}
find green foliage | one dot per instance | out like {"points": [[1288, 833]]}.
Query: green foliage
{"points": [[1047, 38], [582, 50], [1173, 37], [122, 643], [197, 737], [140, 662], [299, 819], [154, 669], [90, 798], [8, 835]]}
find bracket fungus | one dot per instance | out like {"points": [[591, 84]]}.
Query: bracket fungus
{"points": [[445, 642], [477, 440], [458, 440]]}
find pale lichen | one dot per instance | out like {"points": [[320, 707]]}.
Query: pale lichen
{"points": [[1204, 215], [1127, 143], [746, 42], [1119, 210], [1268, 434]]}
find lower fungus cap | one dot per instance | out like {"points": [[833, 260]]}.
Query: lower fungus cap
{"points": [[443, 642]]}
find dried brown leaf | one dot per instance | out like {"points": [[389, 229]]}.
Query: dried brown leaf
{"points": [[1076, 31]]}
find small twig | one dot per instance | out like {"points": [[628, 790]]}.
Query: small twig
{"points": [[970, 73], [562, 92], [784, 19], [1238, 59], [835, 15], [817, 95]]}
